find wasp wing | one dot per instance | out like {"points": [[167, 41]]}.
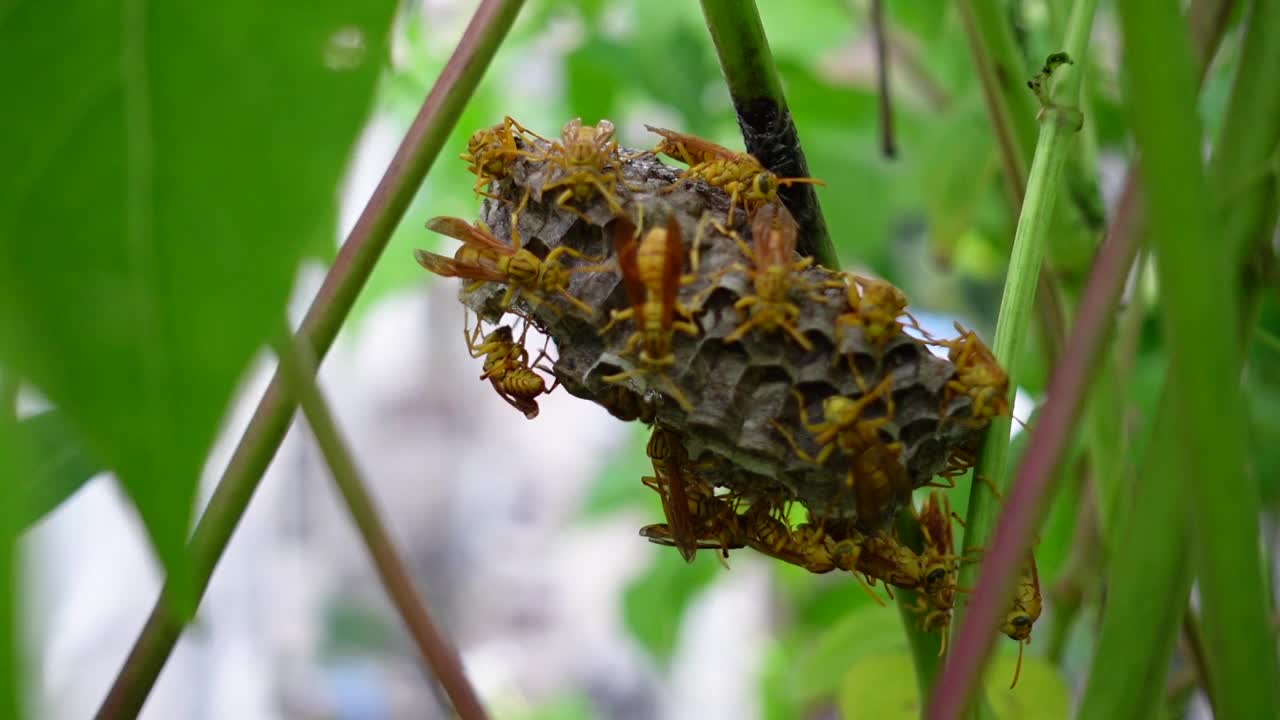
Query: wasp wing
{"points": [[449, 267], [698, 149], [660, 534], [672, 265], [774, 232], [477, 236], [626, 247]]}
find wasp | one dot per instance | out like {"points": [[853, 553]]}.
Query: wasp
{"points": [[880, 484], [876, 306], [1023, 611], [627, 405], [773, 232], [938, 586], [682, 500], [739, 174], [483, 257], [588, 160], [651, 275], [507, 367], [804, 546], [978, 376], [879, 556], [492, 152], [842, 425], [715, 521], [960, 461]]}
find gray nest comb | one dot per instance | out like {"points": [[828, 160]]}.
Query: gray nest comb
{"points": [[736, 389]]}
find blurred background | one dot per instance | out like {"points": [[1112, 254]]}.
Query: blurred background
{"points": [[523, 535]]}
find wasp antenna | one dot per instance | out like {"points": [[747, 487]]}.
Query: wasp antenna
{"points": [[802, 181], [1017, 670]]}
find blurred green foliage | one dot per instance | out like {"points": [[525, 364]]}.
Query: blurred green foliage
{"points": [[61, 466], [165, 180]]}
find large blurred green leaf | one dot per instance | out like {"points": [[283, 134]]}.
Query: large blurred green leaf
{"points": [[61, 466], [1041, 693], [960, 175], [806, 30], [654, 604], [168, 166], [619, 485], [592, 75], [882, 686], [871, 631]]}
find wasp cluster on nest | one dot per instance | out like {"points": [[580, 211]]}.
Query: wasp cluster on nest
{"points": [[676, 297]]}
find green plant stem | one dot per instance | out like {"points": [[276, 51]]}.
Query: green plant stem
{"points": [[1150, 577], [350, 271], [1197, 275], [960, 679], [1250, 135], [767, 127], [1080, 572], [1150, 580], [1206, 20], [1011, 109], [299, 374]]}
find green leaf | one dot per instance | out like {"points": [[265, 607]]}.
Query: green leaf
{"points": [[591, 72], [960, 175], [619, 486], [562, 707], [654, 604], [171, 164], [1041, 693], [882, 686], [61, 466], [819, 671], [805, 30]]}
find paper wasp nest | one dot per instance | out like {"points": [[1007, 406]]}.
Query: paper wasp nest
{"points": [[736, 389]]}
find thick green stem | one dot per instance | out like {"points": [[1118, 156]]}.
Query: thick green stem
{"points": [[1199, 274], [299, 373], [329, 309], [1150, 580], [977, 620], [767, 127]]}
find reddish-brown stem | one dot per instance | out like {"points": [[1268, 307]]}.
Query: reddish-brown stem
{"points": [[1049, 439]]}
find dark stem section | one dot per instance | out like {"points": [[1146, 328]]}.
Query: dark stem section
{"points": [[880, 37], [299, 371], [328, 310], [767, 128]]}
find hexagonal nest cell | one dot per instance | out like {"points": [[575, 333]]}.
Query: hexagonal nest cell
{"points": [[746, 396]]}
